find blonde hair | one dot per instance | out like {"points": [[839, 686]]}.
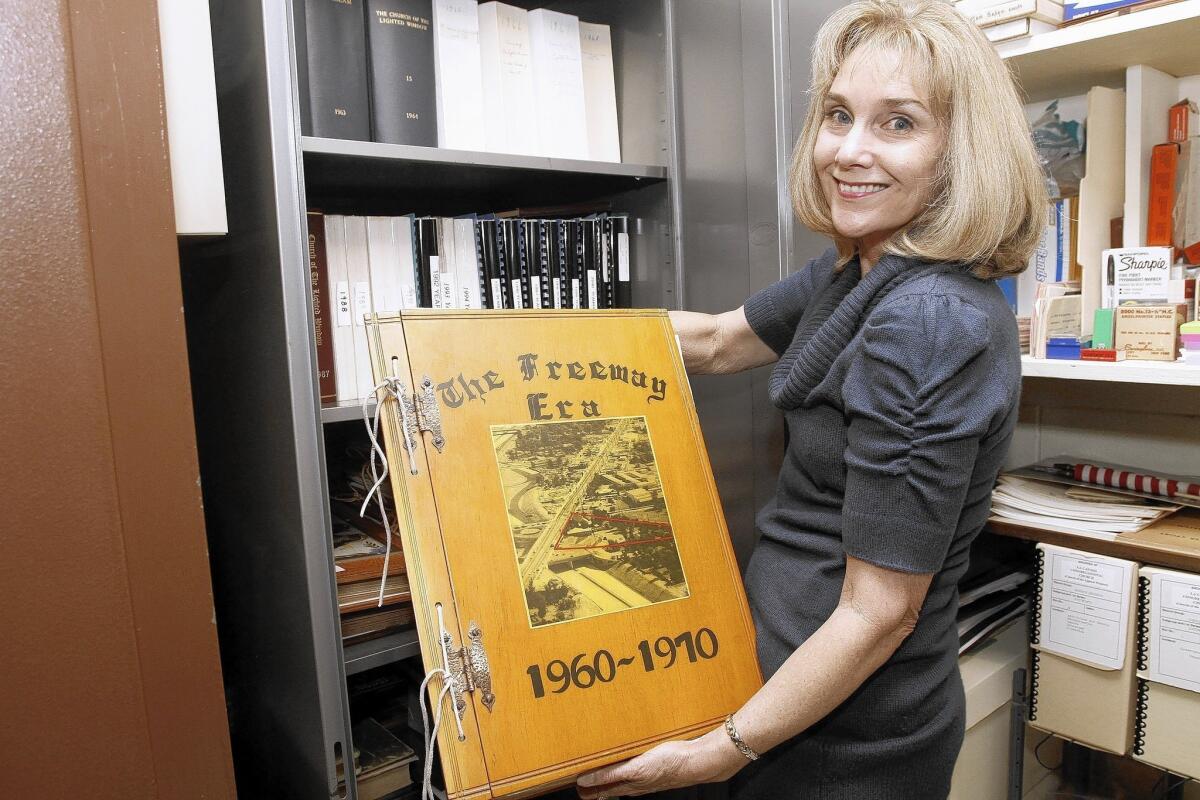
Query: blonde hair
{"points": [[989, 200]]}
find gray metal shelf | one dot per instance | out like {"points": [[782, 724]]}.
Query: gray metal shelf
{"points": [[384, 650], [343, 175], [347, 149], [344, 412]]}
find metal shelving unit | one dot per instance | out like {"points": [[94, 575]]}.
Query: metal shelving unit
{"points": [[259, 419], [705, 98]]}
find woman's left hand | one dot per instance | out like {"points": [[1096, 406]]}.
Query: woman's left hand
{"points": [[671, 765]]}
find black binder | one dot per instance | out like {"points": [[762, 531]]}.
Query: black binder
{"points": [[619, 250], [403, 98], [332, 70]]}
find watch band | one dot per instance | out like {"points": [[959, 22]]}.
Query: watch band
{"points": [[737, 740]]}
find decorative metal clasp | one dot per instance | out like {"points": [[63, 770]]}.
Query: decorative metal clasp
{"points": [[429, 416], [479, 670], [408, 425], [470, 668]]}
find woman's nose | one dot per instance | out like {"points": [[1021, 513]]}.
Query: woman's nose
{"points": [[855, 149]]}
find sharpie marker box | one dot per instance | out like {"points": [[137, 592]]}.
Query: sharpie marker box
{"points": [[1135, 274]]}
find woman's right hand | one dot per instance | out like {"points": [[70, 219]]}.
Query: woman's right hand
{"points": [[719, 344]]}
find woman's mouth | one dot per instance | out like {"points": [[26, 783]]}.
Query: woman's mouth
{"points": [[853, 191]]}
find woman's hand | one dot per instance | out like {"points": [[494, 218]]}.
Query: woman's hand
{"points": [[670, 765]]}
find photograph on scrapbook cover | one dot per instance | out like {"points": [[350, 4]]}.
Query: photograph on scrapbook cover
{"points": [[588, 518]]}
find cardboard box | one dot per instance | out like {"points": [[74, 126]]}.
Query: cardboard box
{"points": [[1102, 329], [1101, 354], [1076, 9], [1181, 121], [1150, 332], [1164, 164], [1186, 216]]}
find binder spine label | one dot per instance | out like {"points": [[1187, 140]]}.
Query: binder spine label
{"points": [[362, 302], [344, 315]]}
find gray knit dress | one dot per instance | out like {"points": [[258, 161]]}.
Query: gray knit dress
{"points": [[900, 392]]}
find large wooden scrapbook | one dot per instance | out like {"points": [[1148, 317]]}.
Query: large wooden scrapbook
{"points": [[561, 527]]}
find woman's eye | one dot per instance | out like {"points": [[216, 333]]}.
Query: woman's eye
{"points": [[900, 124], [839, 117]]}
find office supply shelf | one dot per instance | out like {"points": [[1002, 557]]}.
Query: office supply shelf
{"points": [[1072, 59], [1175, 373]]}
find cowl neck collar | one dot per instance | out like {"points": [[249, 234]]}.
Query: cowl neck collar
{"points": [[829, 326]]}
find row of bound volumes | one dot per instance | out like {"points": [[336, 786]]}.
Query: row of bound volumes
{"points": [[459, 75], [1116, 657], [361, 265]]}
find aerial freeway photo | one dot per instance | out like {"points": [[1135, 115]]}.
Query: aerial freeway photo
{"points": [[588, 518]]}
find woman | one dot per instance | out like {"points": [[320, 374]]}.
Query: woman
{"points": [[898, 373]]}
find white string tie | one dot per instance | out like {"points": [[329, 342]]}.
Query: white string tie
{"points": [[449, 687], [391, 387]]}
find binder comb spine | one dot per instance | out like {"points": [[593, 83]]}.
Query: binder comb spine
{"points": [[1139, 717], [503, 266], [477, 229], [1035, 624], [1143, 662], [1143, 623]]}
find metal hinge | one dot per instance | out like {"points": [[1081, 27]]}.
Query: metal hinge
{"points": [[419, 412], [470, 668], [429, 416]]}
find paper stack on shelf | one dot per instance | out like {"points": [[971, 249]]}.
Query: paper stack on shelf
{"points": [[1117, 479], [990, 601], [1092, 512], [1003, 20], [1057, 312]]}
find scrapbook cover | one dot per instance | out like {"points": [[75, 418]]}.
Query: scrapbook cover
{"points": [[559, 519]]}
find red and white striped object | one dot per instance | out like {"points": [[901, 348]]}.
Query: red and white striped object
{"points": [[1133, 481]]}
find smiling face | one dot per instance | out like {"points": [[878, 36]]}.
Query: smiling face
{"points": [[877, 149]]}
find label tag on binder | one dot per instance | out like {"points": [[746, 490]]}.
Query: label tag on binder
{"points": [[1085, 606]]}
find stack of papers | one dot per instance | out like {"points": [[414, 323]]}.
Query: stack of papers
{"points": [[990, 601], [1067, 509]]}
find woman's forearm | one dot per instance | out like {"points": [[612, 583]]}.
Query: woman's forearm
{"points": [[698, 340], [818, 677], [719, 344]]}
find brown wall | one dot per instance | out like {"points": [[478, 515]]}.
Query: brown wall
{"points": [[110, 682]]}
